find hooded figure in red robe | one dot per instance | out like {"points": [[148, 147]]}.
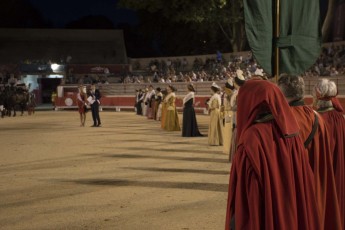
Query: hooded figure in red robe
{"points": [[332, 113], [271, 183], [316, 140]]}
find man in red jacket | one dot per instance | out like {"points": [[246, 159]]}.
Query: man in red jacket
{"points": [[271, 183]]}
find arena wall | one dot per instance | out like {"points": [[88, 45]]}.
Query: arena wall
{"points": [[122, 96]]}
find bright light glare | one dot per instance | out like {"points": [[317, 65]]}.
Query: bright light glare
{"points": [[54, 67]]}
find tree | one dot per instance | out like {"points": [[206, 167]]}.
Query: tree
{"points": [[225, 16]]}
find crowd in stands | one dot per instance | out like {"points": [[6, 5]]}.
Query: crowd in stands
{"points": [[330, 63], [212, 69], [86, 79]]}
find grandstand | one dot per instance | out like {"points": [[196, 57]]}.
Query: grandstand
{"points": [[122, 96]]}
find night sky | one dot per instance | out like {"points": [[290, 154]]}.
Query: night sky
{"points": [[64, 11], [141, 29]]}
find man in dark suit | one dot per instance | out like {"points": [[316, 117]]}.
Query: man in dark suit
{"points": [[95, 102]]}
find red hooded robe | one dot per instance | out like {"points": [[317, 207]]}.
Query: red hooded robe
{"points": [[335, 123], [320, 160], [271, 183]]}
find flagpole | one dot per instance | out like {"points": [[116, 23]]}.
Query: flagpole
{"points": [[277, 34]]}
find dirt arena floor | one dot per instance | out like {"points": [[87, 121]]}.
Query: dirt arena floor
{"points": [[128, 174]]}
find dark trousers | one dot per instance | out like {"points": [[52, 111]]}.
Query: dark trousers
{"points": [[95, 113]]}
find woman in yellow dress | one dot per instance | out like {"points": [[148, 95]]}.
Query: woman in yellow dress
{"points": [[215, 136], [163, 109], [171, 117], [228, 117]]}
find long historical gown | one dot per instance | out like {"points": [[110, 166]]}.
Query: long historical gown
{"points": [[227, 125], [138, 104], [158, 100], [171, 121], [335, 123], [233, 105], [150, 104], [189, 124], [271, 182], [163, 112], [215, 136]]}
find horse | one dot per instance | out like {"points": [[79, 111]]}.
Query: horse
{"points": [[15, 97]]}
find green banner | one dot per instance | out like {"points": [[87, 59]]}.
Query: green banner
{"points": [[300, 33]]}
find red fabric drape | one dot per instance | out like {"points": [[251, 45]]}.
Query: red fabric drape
{"points": [[271, 183]]}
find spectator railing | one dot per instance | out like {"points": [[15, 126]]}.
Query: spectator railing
{"points": [[122, 96]]}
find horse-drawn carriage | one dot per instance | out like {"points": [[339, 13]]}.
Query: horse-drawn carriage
{"points": [[13, 97]]}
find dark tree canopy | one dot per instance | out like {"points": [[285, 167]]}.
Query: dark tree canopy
{"points": [[217, 18], [20, 14]]}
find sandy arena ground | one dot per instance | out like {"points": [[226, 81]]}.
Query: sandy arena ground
{"points": [[128, 174]]}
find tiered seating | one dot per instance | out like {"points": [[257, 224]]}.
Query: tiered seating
{"points": [[122, 96]]}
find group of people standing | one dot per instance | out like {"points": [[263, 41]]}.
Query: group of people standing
{"points": [[288, 158], [89, 98], [288, 171], [222, 108], [160, 105]]}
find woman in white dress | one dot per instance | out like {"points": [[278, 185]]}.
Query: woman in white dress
{"points": [[228, 117], [215, 136]]}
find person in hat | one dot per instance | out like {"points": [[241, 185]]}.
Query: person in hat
{"points": [[158, 101], [171, 121], [150, 102], [144, 102], [215, 136], [139, 101], [239, 80], [328, 105], [259, 73], [271, 183], [189, 124], [162, 108], [227, 116]]}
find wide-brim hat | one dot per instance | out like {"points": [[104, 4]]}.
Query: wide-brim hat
{"points": [[259, 72], [239, 79], [229, 85], [215, 87]]}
